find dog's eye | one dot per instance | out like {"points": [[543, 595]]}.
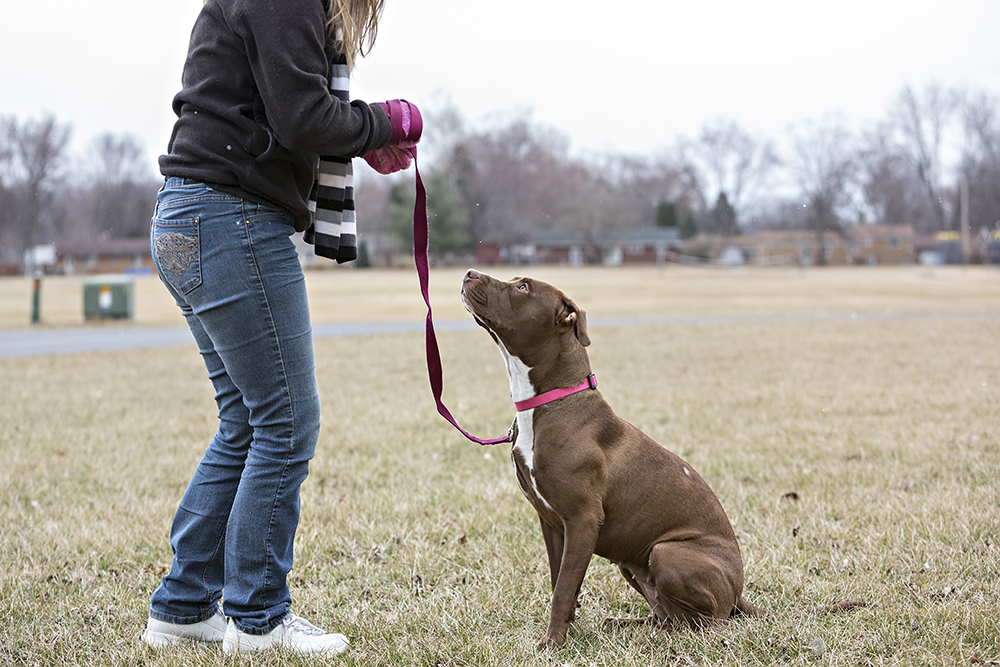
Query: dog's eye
{"points": [[523, 287]]}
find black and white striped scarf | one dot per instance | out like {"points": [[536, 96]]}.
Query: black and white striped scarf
{"points": [[334, 229]]}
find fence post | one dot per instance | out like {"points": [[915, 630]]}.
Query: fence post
{"points": [[36, 297]]}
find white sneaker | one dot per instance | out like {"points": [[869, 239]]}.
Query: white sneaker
{"points": [[294, 634], [160, 634]]}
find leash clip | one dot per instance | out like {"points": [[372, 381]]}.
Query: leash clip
{"points": [[510, 431]]}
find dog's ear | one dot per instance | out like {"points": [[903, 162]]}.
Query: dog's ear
{"points": [[572, 316]]}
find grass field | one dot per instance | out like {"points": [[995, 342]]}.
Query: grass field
{"points": [[418, 545], [347, 295]]}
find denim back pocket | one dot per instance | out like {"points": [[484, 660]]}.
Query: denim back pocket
{"points": [[176, 247]]}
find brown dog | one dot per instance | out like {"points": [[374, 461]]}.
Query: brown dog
{"points": [[600, 485]]}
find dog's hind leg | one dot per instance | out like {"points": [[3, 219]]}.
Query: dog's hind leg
{"points": [[692, 584]]}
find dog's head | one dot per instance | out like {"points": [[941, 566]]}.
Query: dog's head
{"points": [[532, 320]]}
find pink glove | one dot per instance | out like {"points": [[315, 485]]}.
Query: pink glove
{"points": [[407, 125], [389, 159]]}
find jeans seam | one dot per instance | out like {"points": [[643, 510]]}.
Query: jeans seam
{"points": [[271, 522], [220, 548], [286, 393]]}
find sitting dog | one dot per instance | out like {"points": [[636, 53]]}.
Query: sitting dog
{"points": [[600, 485]]}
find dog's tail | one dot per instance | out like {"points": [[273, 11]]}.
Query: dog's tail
{"points": [[744, 608]]}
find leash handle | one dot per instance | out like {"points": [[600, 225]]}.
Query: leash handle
{"points": [[421, 248]]}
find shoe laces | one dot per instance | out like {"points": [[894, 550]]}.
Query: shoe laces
{"points": [[298, 624]]}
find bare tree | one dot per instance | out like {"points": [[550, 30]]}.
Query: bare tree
{"points": [[513, 179], [469, 176], [36, 152], [592, 209], [981, 120], [6, 149], [8, 255], [723, 217], [642, 184], [825, 162], [890, 190], [981, 159], [445, 129], [734, 162], [922, 122], [122, 189]]}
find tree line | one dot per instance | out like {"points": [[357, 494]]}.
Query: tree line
{"points": [[48, 194], [507, 177]]}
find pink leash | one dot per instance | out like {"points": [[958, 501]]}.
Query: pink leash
{"points": [[421, 247]]}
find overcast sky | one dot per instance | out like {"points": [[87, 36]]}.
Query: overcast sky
{"points": [[624, 76]]}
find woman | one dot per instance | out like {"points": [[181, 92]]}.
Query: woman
{"points": [[255, 111]]}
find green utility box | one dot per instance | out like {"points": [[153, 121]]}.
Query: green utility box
{"points": [[108, 297]]}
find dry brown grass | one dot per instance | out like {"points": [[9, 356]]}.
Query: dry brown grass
{"points": [[417, 544]]}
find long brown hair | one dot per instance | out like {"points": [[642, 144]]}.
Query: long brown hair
{"points": [[355, 24]]}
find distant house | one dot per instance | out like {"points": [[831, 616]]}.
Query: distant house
{"points": [[946, 247], [948, 244], [559, 247], [988, 245], [645, 245], [925, 248], [104, 256], [860, 244], [489, 254], [882, 244]]}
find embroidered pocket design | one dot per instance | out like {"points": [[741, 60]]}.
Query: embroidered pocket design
{"points": [[176, 253]]}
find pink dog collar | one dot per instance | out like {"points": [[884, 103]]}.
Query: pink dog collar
{"points": [[556, 394]]}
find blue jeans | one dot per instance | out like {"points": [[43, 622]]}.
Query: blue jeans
{"points": [[232, 268]]}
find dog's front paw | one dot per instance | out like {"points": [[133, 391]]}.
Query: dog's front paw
{"points": [[552, 640]]}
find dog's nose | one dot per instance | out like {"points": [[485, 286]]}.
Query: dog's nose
{"points": [[472, 274]]}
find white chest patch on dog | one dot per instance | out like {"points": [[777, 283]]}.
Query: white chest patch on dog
{"points": [[520, 384], [524, 447]]}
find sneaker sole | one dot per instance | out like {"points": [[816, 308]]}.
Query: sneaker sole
{"points": [[246, 648], [164, 640]]}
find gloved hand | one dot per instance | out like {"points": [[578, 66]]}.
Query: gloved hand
{"points": [[407, 125], [389, 159]]}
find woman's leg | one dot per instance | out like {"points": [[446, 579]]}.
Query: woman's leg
{"points": [[192, 589], [234, 267]]}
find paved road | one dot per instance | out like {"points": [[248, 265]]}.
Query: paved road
{"points": [[29, 342]]}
